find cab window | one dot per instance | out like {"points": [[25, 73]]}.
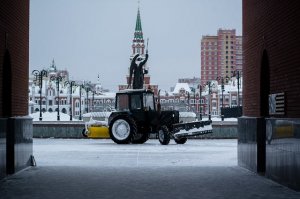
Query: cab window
{"points": [[122, 103], [148, 101], [135, 102]]}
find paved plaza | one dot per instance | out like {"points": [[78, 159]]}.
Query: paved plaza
{"points": [[87, 168]]}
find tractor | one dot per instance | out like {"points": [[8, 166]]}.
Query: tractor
{"points": [[137, 115]]}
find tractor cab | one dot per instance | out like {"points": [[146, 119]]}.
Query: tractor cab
{"points": [[138, 103], [135, 100]]}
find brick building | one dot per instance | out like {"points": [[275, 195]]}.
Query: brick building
{"points": [[15, 126], [221, 55], [269, 131]]}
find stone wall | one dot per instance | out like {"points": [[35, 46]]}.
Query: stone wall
{"points": [[74, 130]]}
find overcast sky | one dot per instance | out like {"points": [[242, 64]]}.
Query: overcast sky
{"points": [[91, 37]]}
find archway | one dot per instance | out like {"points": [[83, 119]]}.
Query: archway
{"points": [[7, 81], [264, 85], [264, 111]]}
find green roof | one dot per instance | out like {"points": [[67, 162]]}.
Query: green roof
{"points": [[138, 27]]}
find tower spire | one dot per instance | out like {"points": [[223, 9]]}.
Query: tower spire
{"points": [[53, 66], [138, 40], [138, 26]]}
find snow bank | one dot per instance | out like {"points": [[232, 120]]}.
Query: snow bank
{"points": [[47, 116]]}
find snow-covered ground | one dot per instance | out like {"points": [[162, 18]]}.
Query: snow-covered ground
{"points": [[104, 152]]}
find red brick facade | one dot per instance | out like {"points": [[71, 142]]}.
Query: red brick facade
{"points": [[221, 55], [273, 27], [14, 40]]}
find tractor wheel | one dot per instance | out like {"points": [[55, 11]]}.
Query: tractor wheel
{"points": [[164, 135], [180, 140], [84, 133], [140, 138], [121, 129]]}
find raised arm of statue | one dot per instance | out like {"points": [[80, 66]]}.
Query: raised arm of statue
{"points": [[144, 62]]}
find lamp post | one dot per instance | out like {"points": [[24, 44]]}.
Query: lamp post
{"points": [[57, 80], [222, 90], [93, 93], [194, 90], [39, 77], [71, 84], [209, 84], [81, 86], [87, 88], [200, 90], [237, 74]]}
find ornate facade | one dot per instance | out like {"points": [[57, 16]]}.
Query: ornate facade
{"points": [[85, 96]]}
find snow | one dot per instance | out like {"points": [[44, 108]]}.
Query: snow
{"points": [[93, 122], [225, 119], [47, 116], [187, 114], [104, 152], [194, 131], [97, 114], [182, 86]]}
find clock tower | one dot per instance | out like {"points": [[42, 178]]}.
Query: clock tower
{"points": [[138, 47]]}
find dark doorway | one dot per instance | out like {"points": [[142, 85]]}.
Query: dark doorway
{"points": [[264, 85], [7, 81], [264, 112]]}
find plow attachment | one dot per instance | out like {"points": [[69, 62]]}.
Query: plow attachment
{"points": [[192, 129]]}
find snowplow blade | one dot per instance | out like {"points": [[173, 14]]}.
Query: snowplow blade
{"points": [[192, 129]]}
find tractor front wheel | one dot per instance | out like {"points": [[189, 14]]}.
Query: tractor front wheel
{"points": [[180, 140], [84, 133], [164, 135]]}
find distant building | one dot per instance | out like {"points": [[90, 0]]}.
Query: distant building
{"points": [[221, 55], [85, 96], [138, 46], [185, 97], [192, 82]]}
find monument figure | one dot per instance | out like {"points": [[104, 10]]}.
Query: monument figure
{"points": [[137, 70]]}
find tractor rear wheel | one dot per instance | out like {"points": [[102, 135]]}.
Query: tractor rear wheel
{"points": [[180, 140], [164, 135], [140, 138], [122, 128]]}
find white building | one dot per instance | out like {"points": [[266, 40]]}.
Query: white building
{"points": [[85, 96]]}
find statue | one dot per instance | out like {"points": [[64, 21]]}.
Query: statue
{"points": [[138, 71]]}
